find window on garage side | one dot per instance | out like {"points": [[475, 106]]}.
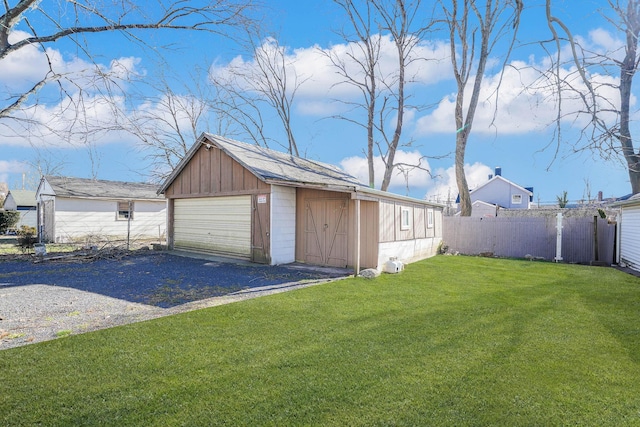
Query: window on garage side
{"points": [[125, 211], [405, 219], [429, 218]]}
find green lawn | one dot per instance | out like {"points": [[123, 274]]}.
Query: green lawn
{"points": [[450, 341]]}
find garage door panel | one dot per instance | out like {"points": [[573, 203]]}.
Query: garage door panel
{"points": [[214, 224]]}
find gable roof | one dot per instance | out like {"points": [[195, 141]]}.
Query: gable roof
{"points": [[275, 167], [627, 201], [270, 166], [23, 197], [501, 178], [100, 189]]}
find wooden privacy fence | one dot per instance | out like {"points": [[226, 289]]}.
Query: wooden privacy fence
{"points": [[582, 239]]}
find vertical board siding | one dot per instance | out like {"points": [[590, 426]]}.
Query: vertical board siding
{"points": [[212, 172], [304, 247], [369, 221], [630, 237], [387, 221], [517, 237]]}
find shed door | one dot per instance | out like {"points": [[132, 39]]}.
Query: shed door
{"points": [[326, 232], [220, 225]]}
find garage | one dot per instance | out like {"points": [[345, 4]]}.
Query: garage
{"points": [[220, 225]]}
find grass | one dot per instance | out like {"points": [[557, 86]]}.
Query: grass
{"points": [[450, 341], [13, 249]]}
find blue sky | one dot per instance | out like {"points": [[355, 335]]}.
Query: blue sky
{"points": [[516, 142]]}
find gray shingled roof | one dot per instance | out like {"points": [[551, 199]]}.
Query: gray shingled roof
{"points": [[23, 197], [272, 166], [95, 188]]}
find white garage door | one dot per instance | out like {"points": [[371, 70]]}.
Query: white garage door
{"points": [[214, 224]]}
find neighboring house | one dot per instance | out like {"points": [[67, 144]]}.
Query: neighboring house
{"points": [[23, 201], [232, 198], [498, 193], [78, 209], [629, 232]]}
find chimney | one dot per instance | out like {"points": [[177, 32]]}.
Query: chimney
{"points": [[599, 196], [498, 171]]}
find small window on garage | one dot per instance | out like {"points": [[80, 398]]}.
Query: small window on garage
{"points": [[125, 211], [429, 218], [405, 219], [516, 199]]}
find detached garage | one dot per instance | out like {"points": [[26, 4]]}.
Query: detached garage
{"points": [[241, 200]]}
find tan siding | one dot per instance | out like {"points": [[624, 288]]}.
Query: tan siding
{"points": [[420, 222], [194, 176], [216, 170], [205, 171], [369, 234], [387, 221], [226, 173], [238, 176], [212, 172]]}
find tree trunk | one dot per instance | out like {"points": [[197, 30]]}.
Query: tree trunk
{"points": [[628, 69]]}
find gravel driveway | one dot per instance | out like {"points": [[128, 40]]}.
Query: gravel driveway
{"points": [[44, 301]]}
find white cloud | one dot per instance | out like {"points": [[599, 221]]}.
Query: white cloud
{"points": [[417, 177], [527, 102], [11, 166], [320, 84], [443, 187]]}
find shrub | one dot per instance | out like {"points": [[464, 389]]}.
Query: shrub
{"points": [[8, 219], [27, 237]]}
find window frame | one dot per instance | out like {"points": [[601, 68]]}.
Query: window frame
{"points": [[430, 218], [405, 213], [516, 199], [125, 214]]}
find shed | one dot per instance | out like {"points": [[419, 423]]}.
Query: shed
{"points": [[629, 232], [23, 201], [79, 209], [231, 198]]}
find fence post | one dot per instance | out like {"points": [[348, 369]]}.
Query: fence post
{"points": [[558, 237]]}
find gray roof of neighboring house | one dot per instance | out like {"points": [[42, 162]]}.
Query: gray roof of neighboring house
{"points": [[23, 197], [270, 165], [96, 188]]}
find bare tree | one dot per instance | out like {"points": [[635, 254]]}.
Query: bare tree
{"points": [[364, 55], [167, 126], [384, 96], [35, 25], [608, 128], [474, 30], [270, 80]]}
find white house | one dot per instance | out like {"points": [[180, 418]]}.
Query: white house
{"points": [[23, 201], [88, 210]]}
